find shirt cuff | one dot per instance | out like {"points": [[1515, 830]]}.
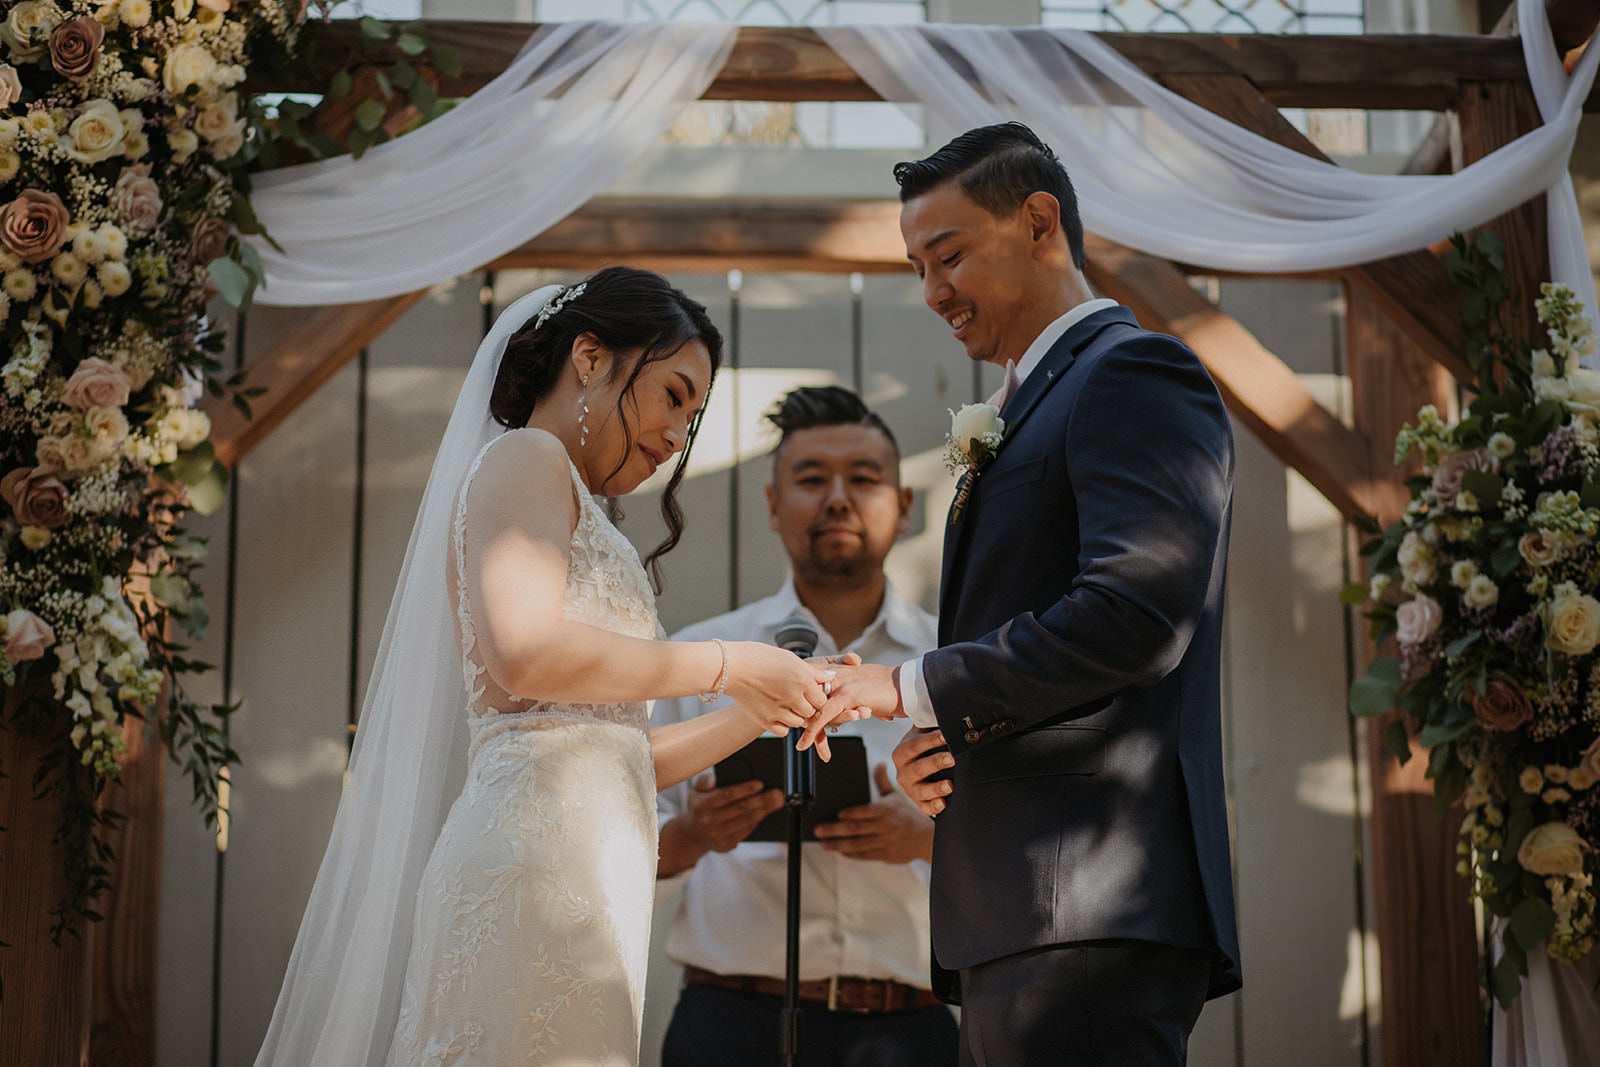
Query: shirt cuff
{"points": [[914, 695]]}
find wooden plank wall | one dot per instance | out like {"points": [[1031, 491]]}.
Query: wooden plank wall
{"points": [[308, 591]]}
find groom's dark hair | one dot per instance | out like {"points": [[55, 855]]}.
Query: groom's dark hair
{"points": [[811, 406], [998, 167]]}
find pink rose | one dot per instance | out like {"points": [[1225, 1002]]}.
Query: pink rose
{"points": [[96, 384], [1503, 705], [10, 85], [34, 225], [137, 198], [36, 495], [1418, 620], [27, 636], [1447, 478], [210, 240], [1589, 762], [75, 47]]}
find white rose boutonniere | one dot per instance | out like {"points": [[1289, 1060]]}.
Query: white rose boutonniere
{"points": [[975, 435]]}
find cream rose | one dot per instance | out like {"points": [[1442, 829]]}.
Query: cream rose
{"points": [[972, 422], [1447, 476], [1585, 394], [34, 225], [183, 144], [1416, 559], [36, 496], [1537, 550], [218, 119], [26, 30], [1418, 620], [109, 426], [1572, 621], [137, 198], [188, 65], [1552, 848], [75, 47], [228, 145], [10, 85], [96, 384], [96, 134], [27, 636], [114, 277]]}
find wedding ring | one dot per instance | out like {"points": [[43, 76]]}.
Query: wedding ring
{"points": [[827, 688]]}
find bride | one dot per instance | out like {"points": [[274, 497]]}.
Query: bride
{"points": [[516, 928]]}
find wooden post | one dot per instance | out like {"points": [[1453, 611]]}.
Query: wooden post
{"points": [[1427, 943], [44, 1016], [123, 949]]}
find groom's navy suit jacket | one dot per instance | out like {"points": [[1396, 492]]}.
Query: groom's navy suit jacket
{"points": [[1078, 682]]}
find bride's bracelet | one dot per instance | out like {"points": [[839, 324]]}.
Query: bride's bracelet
{"points": [[722, 675]]}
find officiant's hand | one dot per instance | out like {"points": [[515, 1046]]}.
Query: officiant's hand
{"points": [[718, 819], [919, 754], [869, 688], [888, 830]]}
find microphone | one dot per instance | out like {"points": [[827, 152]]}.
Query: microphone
{"points": [[799, 768]]}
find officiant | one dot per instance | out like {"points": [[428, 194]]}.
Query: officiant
{"points": [[836, 503]]}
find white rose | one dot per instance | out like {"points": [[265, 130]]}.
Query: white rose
{"points": [[1416, 559], [218, 120], [1553, 848], [135, 13], [1585, 392], [96, 134], [1418, 620], [188, 65], [183, 143], [1572, 621], [1482, 592], [109, 427], [115, 278], [1462, 572], [26, 30], [972, 422], [227, 146]]}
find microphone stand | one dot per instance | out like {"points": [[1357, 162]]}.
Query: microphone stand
{"points": [[799, 790]]}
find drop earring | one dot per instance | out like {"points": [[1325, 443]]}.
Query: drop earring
{"points": [[583, 414]]}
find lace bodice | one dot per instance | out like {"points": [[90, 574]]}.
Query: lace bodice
{"points": [[606, 587]]}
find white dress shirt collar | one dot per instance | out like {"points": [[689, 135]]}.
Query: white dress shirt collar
{"points": [[1053, 332], [898, 619]]}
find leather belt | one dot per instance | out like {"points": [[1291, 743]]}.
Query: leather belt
{"points": [[838, 993]]}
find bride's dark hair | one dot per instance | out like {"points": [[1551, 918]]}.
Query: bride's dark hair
{"points": [[624, 309]]}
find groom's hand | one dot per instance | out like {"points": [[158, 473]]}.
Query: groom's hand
{"points": [[919, 755], [869, 687]]}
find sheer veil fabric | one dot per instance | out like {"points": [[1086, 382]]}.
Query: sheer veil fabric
{"points": [[341, 994]]}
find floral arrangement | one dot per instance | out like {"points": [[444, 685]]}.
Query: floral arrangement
{"points": [[123, 145], [1486, 584]]}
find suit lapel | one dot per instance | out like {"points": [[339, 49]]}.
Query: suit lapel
{"points": [[1051, 369]]}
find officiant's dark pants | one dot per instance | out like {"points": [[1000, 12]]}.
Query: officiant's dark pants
{"points": [[1105, 1004], [726, 1028]]}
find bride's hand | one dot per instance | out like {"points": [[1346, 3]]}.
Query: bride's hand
{"points": [[776, 688]]}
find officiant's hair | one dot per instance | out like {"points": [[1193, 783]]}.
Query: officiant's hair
{"points": [[811, 406], [998, 167], [625, 309]]}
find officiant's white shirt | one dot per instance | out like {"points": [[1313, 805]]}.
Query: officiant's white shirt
{"points": [[913, 686], [860, 918]]}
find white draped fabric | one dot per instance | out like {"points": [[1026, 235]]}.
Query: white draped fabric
{"points": [[1161, 174], [578, 104], [1556, 1020]]}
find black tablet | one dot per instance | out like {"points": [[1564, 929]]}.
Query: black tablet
{"points": [[841, 783]]}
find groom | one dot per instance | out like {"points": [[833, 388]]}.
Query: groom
{"points": [[1081, 897]]}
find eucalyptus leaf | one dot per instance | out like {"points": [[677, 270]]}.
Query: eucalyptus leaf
{"points": [[368, 115], [207, 495], [448, 60], [411, 44], [233, 282], [1371, 696], [1505, 559], [423, 97], [1355, 594], [375, 29], [1506, 981], [340, 84], [195, 464], [1396, 741], [1483, 485], [360, 141], [1438, 733], [384, 87], [402, 74], [1532, 922], [1461, 644]]}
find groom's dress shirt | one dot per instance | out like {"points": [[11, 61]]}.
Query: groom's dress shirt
{"points": [[859, 918], [913, 686]]}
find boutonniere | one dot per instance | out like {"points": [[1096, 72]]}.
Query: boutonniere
{"points": [[976, 432]]}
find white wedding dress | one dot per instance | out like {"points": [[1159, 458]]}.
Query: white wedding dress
{"points": [[532, 921]]}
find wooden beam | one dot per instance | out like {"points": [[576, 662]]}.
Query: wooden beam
{"points": [[1426, 942], [1257, 386], [1572, 22], [1413, 288], [294, 368], [1375, 71], [1493, 114]]}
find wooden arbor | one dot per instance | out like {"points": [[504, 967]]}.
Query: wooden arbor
{"points": [[1404, 340]]}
